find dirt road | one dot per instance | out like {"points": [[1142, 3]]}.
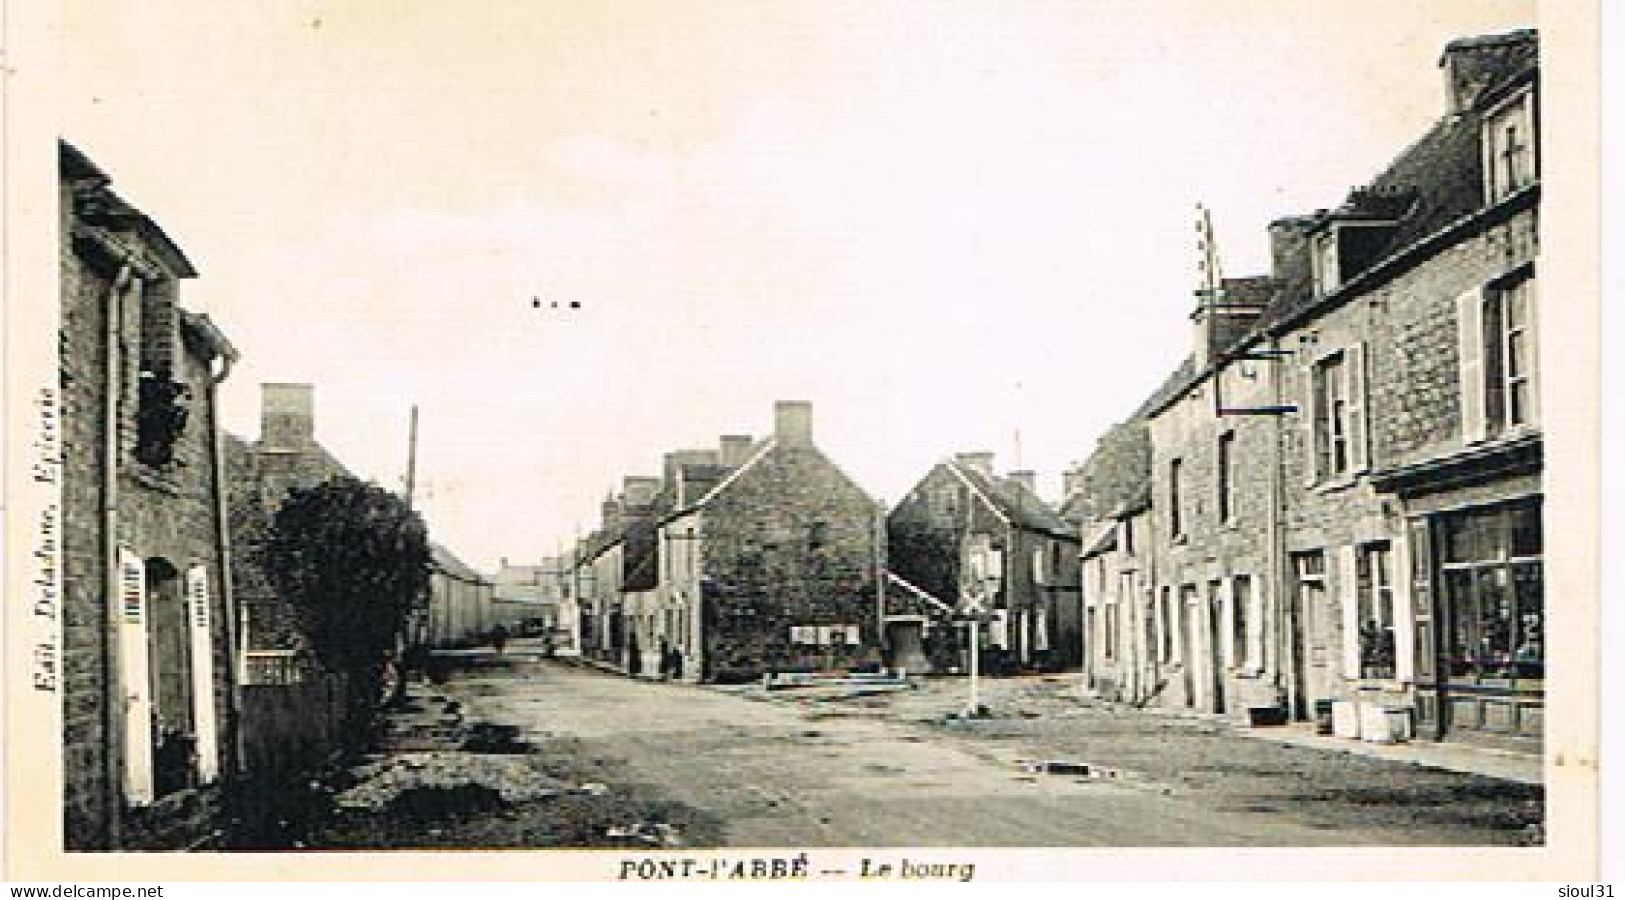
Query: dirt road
{"points": [[890, 772]]}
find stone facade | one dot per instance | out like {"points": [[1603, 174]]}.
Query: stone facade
{"points": [[1344, 500], [753, 557], [149, 718], [960, 508]]}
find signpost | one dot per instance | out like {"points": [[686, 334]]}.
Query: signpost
{"points": [[980, 584]]}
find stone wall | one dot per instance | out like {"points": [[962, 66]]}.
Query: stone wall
{"points": [[168, 513], [791, 542]]}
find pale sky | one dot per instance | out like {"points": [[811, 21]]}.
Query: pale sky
{"points": [[943, 223]]}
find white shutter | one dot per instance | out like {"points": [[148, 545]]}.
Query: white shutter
{"points": [[135, 678], [1470, 349], [1532, 344], [1348, 579], [1358, 406], [200, 628], [1399, 574]]}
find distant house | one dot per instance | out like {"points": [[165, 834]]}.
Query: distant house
{"points": [[1109, 497], [149, 708], [527, 596], [961, 516], [772, 567]]}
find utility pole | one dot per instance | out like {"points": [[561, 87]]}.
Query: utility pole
{"points": [[412, 456]]}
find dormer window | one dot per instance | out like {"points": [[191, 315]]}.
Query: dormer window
{"points": [[1510, 160]]}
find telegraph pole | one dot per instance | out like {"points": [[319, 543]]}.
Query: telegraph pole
{"points": [[412, 456]]}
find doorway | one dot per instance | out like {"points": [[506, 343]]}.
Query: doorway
{"points": [[1215, 641]]}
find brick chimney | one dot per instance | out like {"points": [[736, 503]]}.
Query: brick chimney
{"points": [[613, 518], [640, 490], [1472, 64], [287, 416], [735, 449], [1073, 480], [792, 421], [981, 461], [1289, 249], [1027, 478]]}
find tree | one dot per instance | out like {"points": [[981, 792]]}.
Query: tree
{"points": [[352, 559]]}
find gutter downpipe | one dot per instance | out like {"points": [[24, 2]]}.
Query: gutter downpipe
{"points": [[112, 700], [227, 595], [1285, 668]]}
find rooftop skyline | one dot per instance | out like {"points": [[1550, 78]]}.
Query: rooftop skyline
{"points": [[578, 236]]}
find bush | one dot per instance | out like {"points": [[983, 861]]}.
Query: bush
{"points": [[352, 559]]}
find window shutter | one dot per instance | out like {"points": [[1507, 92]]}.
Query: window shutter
{"points": [[1348, 577], [1311, 414], [1400, 576], [135, 678], [200, 626], [1470, 348], [1532, 344], [1358, 407]]}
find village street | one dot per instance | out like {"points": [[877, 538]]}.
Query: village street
{"points": [[892, 770]]}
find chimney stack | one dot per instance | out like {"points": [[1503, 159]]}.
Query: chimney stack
{"points": [[640, 490], [792, 421], [287, 416], [981, 461], [735, 449], [611, 510]]}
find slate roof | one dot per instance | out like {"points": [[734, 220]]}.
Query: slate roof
{"points": [[1116, 477], [1429, 186], [1021, 506], [101, 206]]}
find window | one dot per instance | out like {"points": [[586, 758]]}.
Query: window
{"points": [[1225, 474], [1510, 162], [1493, 583], [1509, 356], [1241, 598], [1310, 569], [1125, 531], [1331, 417], [162, 401], [1498, 348], [1337, 438], [1175, 526], [1374, 591], [1167, 625], [1109, 646]]}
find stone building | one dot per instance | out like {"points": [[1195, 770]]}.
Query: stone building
{"points": [[262, 473], [772, 567], [1109, 499], [1345, 475], [289, 456], [961, 516], [150, 716]]}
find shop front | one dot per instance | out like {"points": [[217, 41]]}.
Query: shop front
{"points": [[1478, 583]]}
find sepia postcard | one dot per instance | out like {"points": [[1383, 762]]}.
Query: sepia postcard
{"points": [[715, 441]]}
